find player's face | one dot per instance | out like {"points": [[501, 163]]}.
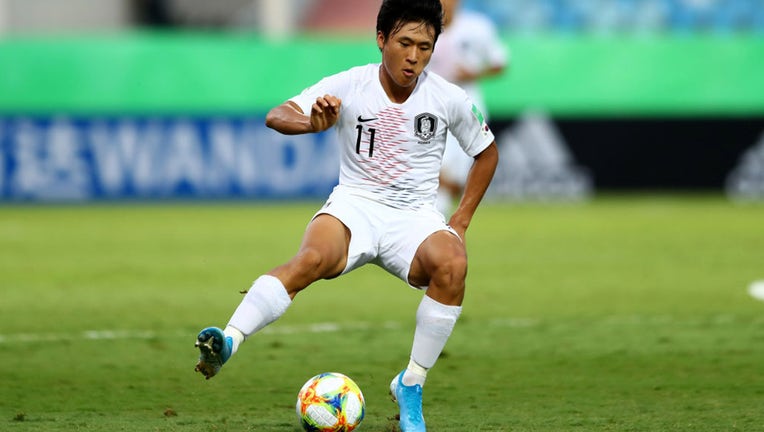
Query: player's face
{"points": [[406, 53]]}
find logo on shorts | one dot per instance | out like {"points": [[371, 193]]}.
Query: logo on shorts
{"points": [[425, 126]]}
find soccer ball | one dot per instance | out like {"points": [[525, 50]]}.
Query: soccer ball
{"points": [[330, 402]]}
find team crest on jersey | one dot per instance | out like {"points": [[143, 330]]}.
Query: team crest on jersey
{"points": [[425, 126]]}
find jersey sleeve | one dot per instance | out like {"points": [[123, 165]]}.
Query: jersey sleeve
{"points": [[468, 125], [334, 85]]}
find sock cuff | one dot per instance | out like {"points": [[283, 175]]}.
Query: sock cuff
{"points": [[274, 285], [270, 296], [264, 303], [435, 309], [416, 368]]}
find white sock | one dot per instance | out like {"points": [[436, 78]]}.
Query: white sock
{"points": [[236, 336], [434, 323], [264, 303], [414, 374]]}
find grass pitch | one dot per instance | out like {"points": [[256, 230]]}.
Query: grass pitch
{"points": [[623, 314]]}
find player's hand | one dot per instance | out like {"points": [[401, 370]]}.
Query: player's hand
{"points": [[466, 75], [324, 112]]}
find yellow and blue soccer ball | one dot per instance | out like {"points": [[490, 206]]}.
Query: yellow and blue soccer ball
{"points": [[330, 402]]}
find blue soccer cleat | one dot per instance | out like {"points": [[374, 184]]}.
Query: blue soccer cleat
{"points": [[214, 351], [409, 399]]}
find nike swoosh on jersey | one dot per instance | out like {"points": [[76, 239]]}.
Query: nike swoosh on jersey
{"points": [[363, 120]]}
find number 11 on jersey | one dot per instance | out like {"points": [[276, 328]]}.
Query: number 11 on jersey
{"points": [[372, 132]]}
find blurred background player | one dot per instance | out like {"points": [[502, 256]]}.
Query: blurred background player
{"points": [[468, 50]]}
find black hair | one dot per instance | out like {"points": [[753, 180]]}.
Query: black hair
{"points": [[393, 14]]}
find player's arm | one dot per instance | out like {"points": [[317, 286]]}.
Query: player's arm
{"points": [[479, 178], [466, 75], [493, 70], [289, 119]]}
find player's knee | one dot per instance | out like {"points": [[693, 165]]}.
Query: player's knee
{"points": [[447, 281], [302, 270], [310, 262], [450, 273], [318, 263]]}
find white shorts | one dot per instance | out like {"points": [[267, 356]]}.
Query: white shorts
{"points": [[380, 234]]}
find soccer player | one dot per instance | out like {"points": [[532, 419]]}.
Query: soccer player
{"points": [[391, 119], [469, 50]]}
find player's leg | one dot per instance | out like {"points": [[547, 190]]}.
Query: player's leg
{"points": [[322, 254], [440, 264]]}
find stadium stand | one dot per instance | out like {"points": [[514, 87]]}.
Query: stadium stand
{"points": [[630, 16], [511, 16], [591, 16]]}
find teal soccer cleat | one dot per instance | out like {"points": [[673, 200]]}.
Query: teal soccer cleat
{"points": [[214, 351], [409, 399]]}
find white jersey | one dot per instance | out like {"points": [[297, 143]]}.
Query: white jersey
{"points": [[392, 152], [470, 42]]}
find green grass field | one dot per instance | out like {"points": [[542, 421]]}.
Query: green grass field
{"points": [[623, 314]]}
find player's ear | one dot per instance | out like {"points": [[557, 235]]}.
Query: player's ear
{"points": [[380, 40]]}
